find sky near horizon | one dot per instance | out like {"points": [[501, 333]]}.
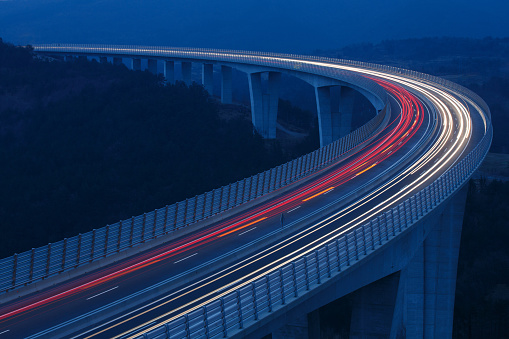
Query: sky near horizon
{"points": [[268, 25]]}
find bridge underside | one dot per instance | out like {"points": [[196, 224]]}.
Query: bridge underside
{"points": [[407, 289], [334, 98]]}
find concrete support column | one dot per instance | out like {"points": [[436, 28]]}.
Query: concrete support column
{"points": [[264, 105], [169, 71], [136, 64], [117, 61], [323, 108], [103, 59], [152, 66], [345, 110], [335, 107], [373, 308], [207, 78], [425, 300], [226, 85], [186, 72]]}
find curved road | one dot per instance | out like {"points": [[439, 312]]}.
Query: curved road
{"points": [[429, 131]]}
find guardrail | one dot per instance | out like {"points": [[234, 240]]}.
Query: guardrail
{"points": [[244, 306], [55, 258], [240, 56], [249, 303], [280, 61]]}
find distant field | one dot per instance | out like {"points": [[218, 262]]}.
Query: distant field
{"points": [[495, 164]]}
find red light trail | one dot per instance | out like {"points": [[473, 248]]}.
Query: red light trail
{"points": [[400, 131]]}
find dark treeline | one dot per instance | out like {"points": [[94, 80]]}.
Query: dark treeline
{"points": [[84, 144], [482, 288]]}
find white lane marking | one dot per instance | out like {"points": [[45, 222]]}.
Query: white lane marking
{"points": [[248, 231], [465, 138], [192, 255], [296, 208], [332, 189], [4, 332], [137, 330], [229, 285], [331, 221], [111, 289], [389, 153]]}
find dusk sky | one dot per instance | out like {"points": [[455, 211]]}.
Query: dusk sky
{"points": [[270, 25]]}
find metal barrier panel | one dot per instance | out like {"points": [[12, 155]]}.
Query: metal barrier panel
{"points": [[52, 259]]}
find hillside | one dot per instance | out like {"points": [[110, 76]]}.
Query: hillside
{"points": [[84, 144]]}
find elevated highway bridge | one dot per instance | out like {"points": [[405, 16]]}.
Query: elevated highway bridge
{"points": [[376, 212]]}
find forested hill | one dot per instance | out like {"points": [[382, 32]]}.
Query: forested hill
{"points": [[84, 144]]}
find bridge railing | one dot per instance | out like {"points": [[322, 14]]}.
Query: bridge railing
{"points": [[281, 61], [55, 258], [240, 55], [233, 311]]}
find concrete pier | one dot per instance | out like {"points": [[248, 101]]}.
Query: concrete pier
{"points": [[327, 125], [169, 71], [264, 105], [186, 72], [334, 105], [117, 61], [207, 78], [345, 110], [427, 286], [136, 64], [152, 66], [226, 85]]}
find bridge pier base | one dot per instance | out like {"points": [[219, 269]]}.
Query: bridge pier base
{"points": [[207, 78], [186, 72], [136, 64], [169, 71], [226, 85], [152, 66], [264, 105]]}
